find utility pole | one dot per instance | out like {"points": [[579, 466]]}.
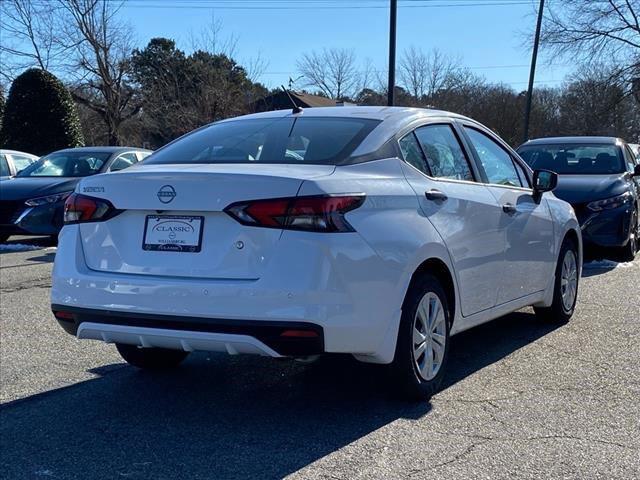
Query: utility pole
{"points": [[532, 74], [392, 52]]}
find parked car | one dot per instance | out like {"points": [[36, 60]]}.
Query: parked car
{"points": [[635, 148], [600, 178], [11, 162], [373, 231], [32, 202]]}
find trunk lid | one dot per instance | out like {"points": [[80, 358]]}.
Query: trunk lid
{"points": [[193, 196]]}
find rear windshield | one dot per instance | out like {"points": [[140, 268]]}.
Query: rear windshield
{"points": [[67, 164], [313, 140], [574, 159]]}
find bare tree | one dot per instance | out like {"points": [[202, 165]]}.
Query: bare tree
{"points": [[28, 37], [603, 31], [423, 74], [332, 71], [210, 38], [82, 38], [101, 46], [255, 67]]}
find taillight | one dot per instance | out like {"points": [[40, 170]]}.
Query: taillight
{"points": [[81, 208], [323, 213]]}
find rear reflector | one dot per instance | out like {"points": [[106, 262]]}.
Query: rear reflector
{"points": [[323, 213], [82, 208], [299, 334], [63, 315]]}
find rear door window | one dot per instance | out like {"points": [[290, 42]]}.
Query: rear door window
{"points": [[445, 157]]}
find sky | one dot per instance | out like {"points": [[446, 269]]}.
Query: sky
{"points": [[488, 36]]}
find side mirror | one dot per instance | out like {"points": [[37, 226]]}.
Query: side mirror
{"points": [[544, 181]]}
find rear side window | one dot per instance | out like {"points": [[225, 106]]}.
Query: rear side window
{"points": [[4, 166], [300, 140], [496, 161], [412, 152], [445, 157]]}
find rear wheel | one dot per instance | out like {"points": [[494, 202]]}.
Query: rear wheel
{"points": [[423, 340], [628, 252], [151, 358], [565, 293]]}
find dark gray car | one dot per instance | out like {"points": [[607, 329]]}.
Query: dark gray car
{"points": [[32, 202], [600, 178]]}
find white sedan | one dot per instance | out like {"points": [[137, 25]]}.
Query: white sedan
{"points": [[374, 231], [11, 162]]}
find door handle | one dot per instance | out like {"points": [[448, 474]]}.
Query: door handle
{"points": [[509, 208], [436, 195]]}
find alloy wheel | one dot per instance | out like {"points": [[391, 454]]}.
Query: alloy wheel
{"points": [[569, 280], [429, 336]]}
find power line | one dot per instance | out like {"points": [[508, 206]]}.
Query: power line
{"points": [[317, 5]]}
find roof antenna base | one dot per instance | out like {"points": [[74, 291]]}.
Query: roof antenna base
{"points": [[296, 108]]}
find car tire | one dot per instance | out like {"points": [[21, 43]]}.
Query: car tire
{"points": [[629, 251], [421, 357], [4, 238], [151, 358], [565, 292]]}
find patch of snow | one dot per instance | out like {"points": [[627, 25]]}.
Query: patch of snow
{"points": [[608, 265], [20, 247], [600, 264]]}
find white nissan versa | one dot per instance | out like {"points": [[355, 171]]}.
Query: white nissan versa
{"points": [[374, 231]]}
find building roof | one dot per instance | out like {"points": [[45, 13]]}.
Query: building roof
{"points": [[279, 100], [308, 100]]}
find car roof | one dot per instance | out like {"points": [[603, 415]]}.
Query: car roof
{"points": [[102, 149], [371, 112], [576, 139]]}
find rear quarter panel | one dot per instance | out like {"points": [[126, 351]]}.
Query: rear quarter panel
{"points": [[391, 223]]}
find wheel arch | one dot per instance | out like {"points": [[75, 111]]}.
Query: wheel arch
{"points": [[441, 271], [574, 236]]}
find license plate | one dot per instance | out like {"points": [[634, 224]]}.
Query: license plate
{"points": [[173, 233]]}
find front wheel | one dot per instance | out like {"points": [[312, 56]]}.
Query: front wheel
{"points": [[565, 292], [423, 340], [151, 358], [628, 252]]}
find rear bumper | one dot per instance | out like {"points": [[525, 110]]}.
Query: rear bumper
{"points": [[340, 288], [273, 339]]}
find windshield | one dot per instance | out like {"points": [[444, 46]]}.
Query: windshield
{"points": [[67, 164], [311, 140], [574, 159]]}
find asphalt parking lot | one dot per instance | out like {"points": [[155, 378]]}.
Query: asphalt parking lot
{"points": [[522, 400]]}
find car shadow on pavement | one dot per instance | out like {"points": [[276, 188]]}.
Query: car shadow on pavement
{"points": [[223, 417]]}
